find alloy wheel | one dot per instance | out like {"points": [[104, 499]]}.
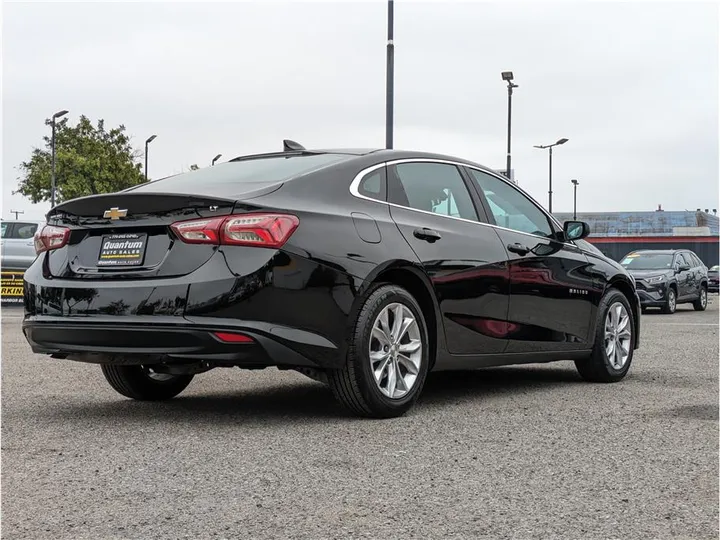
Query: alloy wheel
{"points": [[618, 334], [672, 300], [395, 350], [703, 298]]}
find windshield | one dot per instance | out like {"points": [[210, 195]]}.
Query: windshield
{"points": [[648, 261]]}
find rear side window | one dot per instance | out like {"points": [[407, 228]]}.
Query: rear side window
{"points": [[24, 230], [431, 187], [5, 229], [226, 178], [373, 185], [696, 261]]}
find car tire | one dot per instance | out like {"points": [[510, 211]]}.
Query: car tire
{"points": [[701, 303], [356, 384], [604, 365], [139, 382], [671, 302]]}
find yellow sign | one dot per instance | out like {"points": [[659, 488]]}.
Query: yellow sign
{"points": [[11, 286]]}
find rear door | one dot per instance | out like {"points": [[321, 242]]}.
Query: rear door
{"points": [[551, 285], [465, 260], [686, 278]]}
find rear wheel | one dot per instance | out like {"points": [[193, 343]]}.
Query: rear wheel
{"points": [[671, 302], [614, 341], [701, 303], [388, 356], [141, 383]]}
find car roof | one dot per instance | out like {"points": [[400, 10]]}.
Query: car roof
{"points": [[379, 155]]}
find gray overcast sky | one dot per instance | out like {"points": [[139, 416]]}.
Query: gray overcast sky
{"points": [[634, 86]]}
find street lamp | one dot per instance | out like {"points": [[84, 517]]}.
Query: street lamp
{"points": [[389, 78], [508, 76], [575, 185], [550, 147], [52, 145], [215, 159], [150, 139]]}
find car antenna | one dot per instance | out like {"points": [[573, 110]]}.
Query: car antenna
{"points": [[290, 146]]}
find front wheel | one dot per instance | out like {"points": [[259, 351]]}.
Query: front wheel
{"points": [[701, 303], [671, 302], [614, 341], [141, 383], [388, 356]]}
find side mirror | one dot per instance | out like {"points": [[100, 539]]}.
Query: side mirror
{"points": [[683, 268], [576, 230]]}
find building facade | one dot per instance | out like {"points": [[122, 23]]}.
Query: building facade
{"points": [[618, 233]]}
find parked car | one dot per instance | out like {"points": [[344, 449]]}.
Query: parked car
{"points": [[666, 278], [17, 247], [713, 278], [362, 269]]}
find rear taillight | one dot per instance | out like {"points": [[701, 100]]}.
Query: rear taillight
{"points": [[263, 230], [50, 237]]}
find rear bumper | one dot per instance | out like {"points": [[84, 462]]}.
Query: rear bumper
{"points": [[295, 311], [127, 343], [713, 285]]}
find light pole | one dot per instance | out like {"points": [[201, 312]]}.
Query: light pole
{"points": [[215, 159], [389, 78], [508, 76], [52, 145], [575, 185], [550, 147], [149, 140]]}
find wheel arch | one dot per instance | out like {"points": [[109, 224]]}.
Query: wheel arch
{"points": [[414, 280], [626, 287]]}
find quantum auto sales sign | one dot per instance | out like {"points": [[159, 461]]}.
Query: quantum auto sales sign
{"points": [[12, 286], [122, 250]]}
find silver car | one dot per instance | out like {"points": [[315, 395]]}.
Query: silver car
{"points": [[17, 247]]}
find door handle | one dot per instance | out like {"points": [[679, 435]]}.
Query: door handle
{"points": [[429, 235], [519, 249]]}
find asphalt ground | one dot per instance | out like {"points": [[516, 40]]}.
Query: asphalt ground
{"points": [[522, 452]]}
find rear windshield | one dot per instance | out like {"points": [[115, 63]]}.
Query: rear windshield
{"points": [[647, 261], [239, 176]]}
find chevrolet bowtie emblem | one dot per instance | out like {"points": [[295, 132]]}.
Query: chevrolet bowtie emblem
{"points": [[115, 213]]}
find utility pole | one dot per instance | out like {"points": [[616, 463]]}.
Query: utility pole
{"points": [[16, 212], [389, 79]]}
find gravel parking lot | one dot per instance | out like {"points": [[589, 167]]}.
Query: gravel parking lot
{"points": [[521, 452]]}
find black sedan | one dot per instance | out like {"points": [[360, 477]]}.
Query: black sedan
{"points": [[362, 269]]}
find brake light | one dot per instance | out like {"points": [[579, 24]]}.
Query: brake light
{"points": [[50, 237], [263, 230]]}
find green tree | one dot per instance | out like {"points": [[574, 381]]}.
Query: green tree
{"points": [[88, 160]]}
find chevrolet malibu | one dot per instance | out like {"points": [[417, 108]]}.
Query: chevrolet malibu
{"points": [[363, 269]]}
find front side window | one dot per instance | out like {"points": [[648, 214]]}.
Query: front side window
{"points": [[432, 187], [510, 208]]}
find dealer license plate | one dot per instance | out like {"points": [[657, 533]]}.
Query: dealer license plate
{"points": [[122, 250]]}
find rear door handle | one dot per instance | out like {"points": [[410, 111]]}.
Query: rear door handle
{"points": [[429, 235], [519, 249]]}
